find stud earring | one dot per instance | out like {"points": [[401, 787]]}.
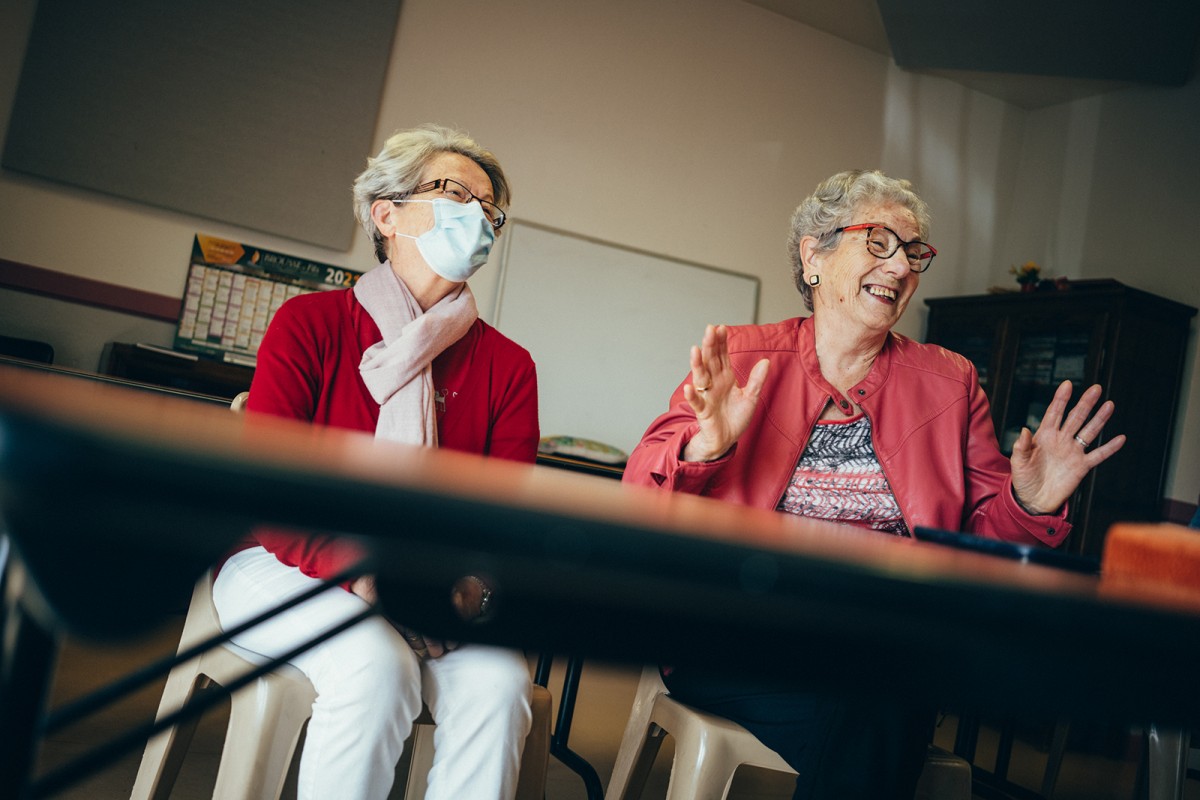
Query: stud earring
{"points": [[814, 280]]}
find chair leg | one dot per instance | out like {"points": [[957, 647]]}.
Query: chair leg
{"points": [[1054, 759], [254, 763], [421, 744], [702, 770], [165, 751], [531, 783], [1168, 762], [29, 656], [638, 765], [639, 743]]}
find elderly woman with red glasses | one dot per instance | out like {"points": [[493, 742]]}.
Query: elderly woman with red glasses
{"points": [[404, 356], [837, 417]]}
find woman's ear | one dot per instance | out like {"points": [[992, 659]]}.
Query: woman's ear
{"points": [[810, 256], [383, 215]]}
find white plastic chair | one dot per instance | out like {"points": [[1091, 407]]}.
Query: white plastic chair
{"points": [[709, 749], [265, 719]]}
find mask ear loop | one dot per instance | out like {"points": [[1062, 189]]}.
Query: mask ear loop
{"points": [[410, 199]]}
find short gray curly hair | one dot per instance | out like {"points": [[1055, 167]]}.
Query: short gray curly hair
{"points": [[398, 167], [833, 205]]}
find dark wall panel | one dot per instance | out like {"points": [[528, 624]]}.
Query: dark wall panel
{"points": [[255, 112]]}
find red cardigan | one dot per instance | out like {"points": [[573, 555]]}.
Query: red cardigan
{"points": [[308, 370]]}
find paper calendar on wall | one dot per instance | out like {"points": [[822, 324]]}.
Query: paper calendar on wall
{"points": [[234, 289]]}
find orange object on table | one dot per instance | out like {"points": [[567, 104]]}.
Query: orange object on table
{"points": [[1161, 554]]}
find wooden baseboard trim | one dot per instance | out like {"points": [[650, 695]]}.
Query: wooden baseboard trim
{"points": [[88, 292]]}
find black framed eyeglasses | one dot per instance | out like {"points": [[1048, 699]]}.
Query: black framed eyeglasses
{"points": [[883, 242], [453, 190]]}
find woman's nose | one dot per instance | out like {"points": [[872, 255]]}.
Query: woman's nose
{"points": [[898, 264]]}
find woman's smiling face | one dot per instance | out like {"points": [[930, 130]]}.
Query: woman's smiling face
{"points": [[862, 289]]}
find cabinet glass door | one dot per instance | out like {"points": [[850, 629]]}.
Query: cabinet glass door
{"points": [[1044, 358]]}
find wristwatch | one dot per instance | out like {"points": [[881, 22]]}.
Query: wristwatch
{"points": [[485, 594]]}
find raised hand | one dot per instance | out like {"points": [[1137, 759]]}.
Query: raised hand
{"points": [[722, 407], [1048, 466]]}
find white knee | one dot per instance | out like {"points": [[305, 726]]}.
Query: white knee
{"points": [[480, 688], [369, 673], [500, 683]]}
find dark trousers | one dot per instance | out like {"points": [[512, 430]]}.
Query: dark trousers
{"points": [[841, 747]]}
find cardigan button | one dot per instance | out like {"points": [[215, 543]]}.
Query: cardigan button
{"points": [[1050, 531], [844, 404], [861, 392]]}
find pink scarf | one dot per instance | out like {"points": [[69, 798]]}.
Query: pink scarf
{"points": [[397, 370]]}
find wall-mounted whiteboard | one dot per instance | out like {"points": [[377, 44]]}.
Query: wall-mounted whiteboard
{"points": [[609, 327]]}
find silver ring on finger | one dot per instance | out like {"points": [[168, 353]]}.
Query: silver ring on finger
{"points": [[1082, 443], [700, 389]]}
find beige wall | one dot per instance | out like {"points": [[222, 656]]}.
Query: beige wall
{"points": [[691, 128], [1107, 188]]}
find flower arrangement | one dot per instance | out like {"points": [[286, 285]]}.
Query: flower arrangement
{"points": [[1028, 274]]}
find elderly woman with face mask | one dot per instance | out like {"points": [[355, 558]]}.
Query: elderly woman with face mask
{"points": [[403, 354], [837, 417]]}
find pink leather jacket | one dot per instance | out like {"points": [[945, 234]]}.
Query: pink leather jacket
{"points": [[930, 422]]}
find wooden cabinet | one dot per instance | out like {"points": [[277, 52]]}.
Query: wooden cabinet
{"points": [[1098, 331], [191, 373]]}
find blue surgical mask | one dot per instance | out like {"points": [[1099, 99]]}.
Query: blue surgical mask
{"points": [[459, 242]]}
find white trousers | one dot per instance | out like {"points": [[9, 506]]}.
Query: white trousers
{"points": [[370, 686]]}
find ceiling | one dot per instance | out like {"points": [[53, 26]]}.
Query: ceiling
{"points": [[1031, 53]]}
